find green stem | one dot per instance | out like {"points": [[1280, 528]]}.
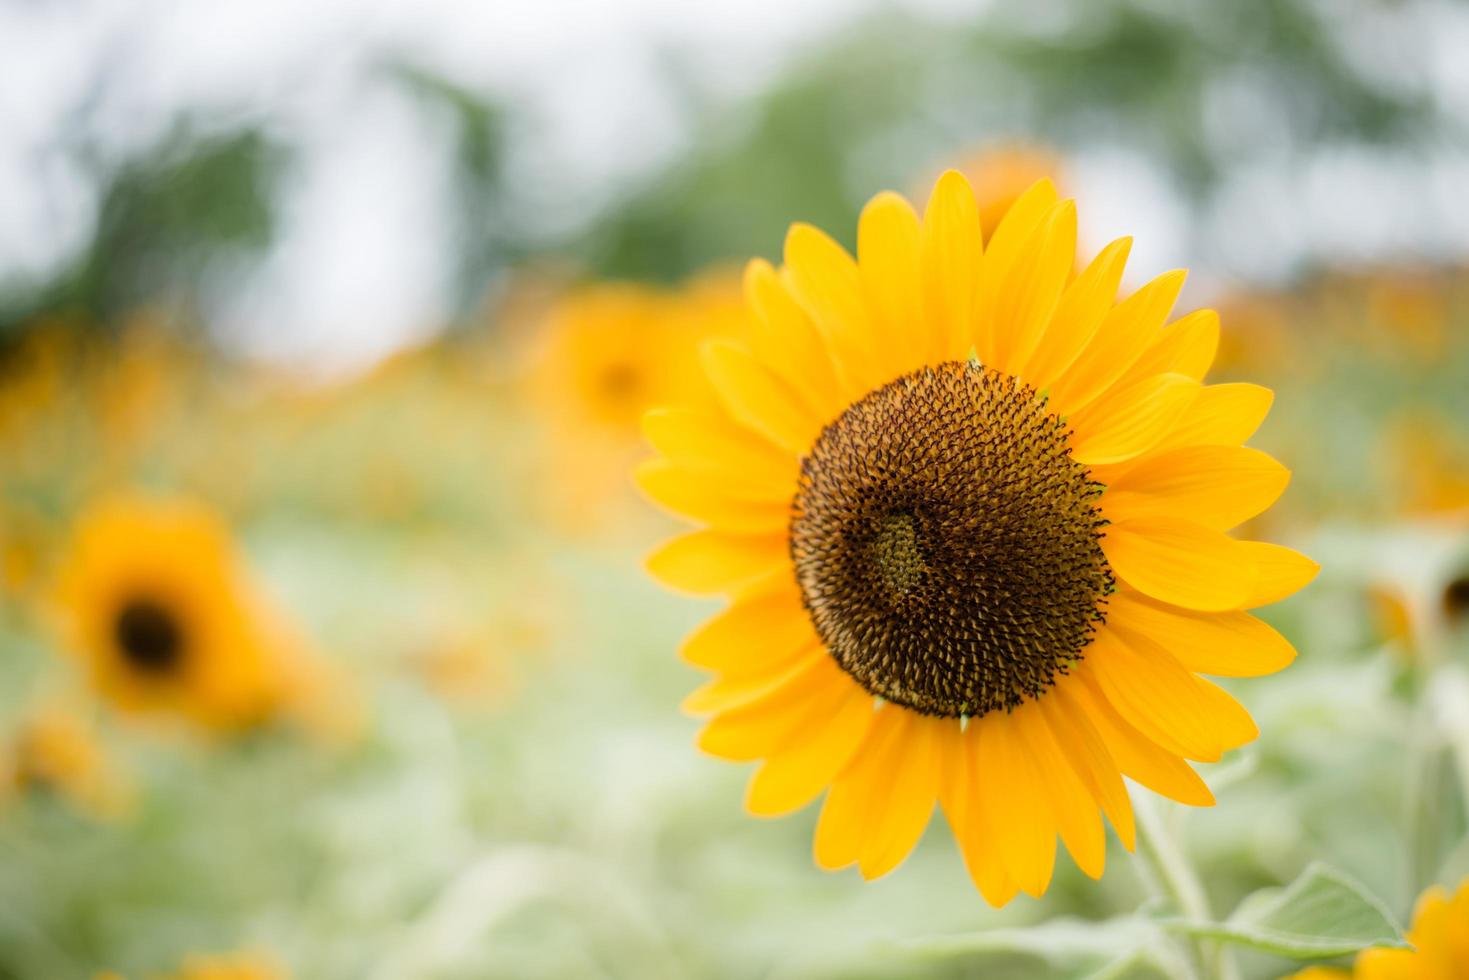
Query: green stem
{"points": [[1167, 871]]}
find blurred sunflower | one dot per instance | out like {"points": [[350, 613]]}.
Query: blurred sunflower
{"points": [[155, 602], [1000, 174], [1439, 936], [56, 750], [613, 351], [221, 966], [971, 512]]}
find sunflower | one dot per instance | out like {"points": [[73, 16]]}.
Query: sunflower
{"points": [[1439, 937], [154, 600], [1000, 174], [221, 966], [56, 749], [971, 514], [611, 352]]}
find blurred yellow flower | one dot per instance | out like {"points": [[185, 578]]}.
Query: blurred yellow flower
{"points": [[1439, 936], [56, 750], [972, 513], [1000, 174], [156, 603], [612, 351], [219, 966]]}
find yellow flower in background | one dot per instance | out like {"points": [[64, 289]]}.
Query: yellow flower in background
{"points": [[612, 352], [1000, 174], [971, 512], [156, 603], [220, 966], [56, 750], [616, 350], [1439, 936]]}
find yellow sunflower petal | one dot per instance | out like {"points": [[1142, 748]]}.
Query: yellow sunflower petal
{"points": [[852, 803], [756, 728], [1127, 330], [1013, 800], [812, 755], [711, 441], [1083, 306], [959, 789], [1222, 415], [889, 247], [759, 628], [1186, 347], [1002, 255], [783, 336], [1088, 755], [1217, 486], [709, 499], [951, 252], [1076, 814], [1165, 702], [711, 562], [1181, 562], [824, 278], [1282, 572], [758, 399], [1015, 317], [1139, 757], [1225, 644], [732, 690], [903, 804], [1127, 422]]}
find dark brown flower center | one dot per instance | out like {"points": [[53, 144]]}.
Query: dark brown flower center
{"points": [[946, 543], [149, 636]]}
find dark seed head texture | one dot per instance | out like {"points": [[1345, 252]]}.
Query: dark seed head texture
{"points": [[149, 637], [946, 543]]}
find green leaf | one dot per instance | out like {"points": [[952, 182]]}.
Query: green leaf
{"points": [[1322, 913]]}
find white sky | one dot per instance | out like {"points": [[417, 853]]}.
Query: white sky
{"points": [[362, 265]]}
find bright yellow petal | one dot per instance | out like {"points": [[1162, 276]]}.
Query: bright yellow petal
{"points": [[711, 441], [959, 790], [1181, 562], [1222, 415], [1127, 422], [904, 797], [783, 337], [709, 499], [812, 755], [1015, 317], [713, 562], [1216, 486], [1089, 757], [1083, 306], [760, 628], [1282, 572], [849, 809], [951, 252], [1002, 255], [1225, 644], [1186, 347], [1013, 799], [758, 399], [825, 280], [1127, 330], [1165, 702], [1075, 809], [1139, 757], [758, 727], [889, 246], [733, 690]]}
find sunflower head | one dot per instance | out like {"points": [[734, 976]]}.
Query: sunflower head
{"points": [[157, 605], [55, 749], [970, 510]]}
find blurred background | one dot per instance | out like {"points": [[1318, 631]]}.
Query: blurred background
{"points": [[372, 296]]}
